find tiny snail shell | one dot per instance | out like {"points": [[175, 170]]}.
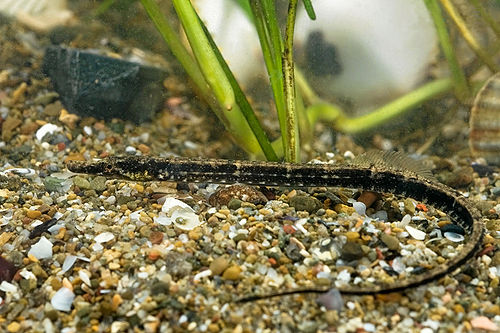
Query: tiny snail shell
{"points": [[484, 123]]}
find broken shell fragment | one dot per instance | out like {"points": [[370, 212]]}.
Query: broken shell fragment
{"points": [[415, 233], [454, 237]]}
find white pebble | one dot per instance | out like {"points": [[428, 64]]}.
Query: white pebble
{"points": [[8, 287], [87, 130], [42, 249], [104, 237], [202, 274], [359, 207], [344, 276], [63, 299], [415, 233], [369, 327], [130, 150]]}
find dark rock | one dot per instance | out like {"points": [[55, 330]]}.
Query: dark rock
{"points": [[351, 251], [160, 287], [453, 228], [41, 228], [102, 87], [483, 170], [293, 252], [7, 270]]}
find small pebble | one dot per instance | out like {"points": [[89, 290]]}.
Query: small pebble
{"points": [[219, 265], [391, 241], [232, 273], [484, 323], [13, 327]]}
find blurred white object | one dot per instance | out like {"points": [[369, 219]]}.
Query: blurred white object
{"points": [[367, 52], [235, 36], [39, 15]]}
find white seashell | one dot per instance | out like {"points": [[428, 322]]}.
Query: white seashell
{"points": [[42, 249], [63, 299], [69, 261], [179, 213], [454, 237], [171, 204], [202, 274], [27, 274], [104, 237], [359, 207], [415, 233], [46, 129], [85, 276], [185, 219], [406, 220]]}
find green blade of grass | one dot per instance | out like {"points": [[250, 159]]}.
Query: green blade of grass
{"points": [[394, 109], [309, 9], [178, 49], [235, 112], [270, 40], [243, 104], [459, 80]]}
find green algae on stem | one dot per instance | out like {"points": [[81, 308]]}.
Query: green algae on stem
{"points": [[291, 143]]}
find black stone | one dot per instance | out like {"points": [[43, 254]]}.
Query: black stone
{"points": [[351, 251], [483, 170], [453, 228], [102, 87]]}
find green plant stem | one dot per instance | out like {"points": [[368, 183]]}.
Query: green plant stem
{"points": [[468, 36], [459, 80], [393, 109], [270, 40], [209, 75], [305, 89], [178, 49], [244, 105], [291, 142]]}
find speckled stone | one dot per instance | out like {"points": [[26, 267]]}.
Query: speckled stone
{"points": [[81, 182], [305, 202], [98, 183]]}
